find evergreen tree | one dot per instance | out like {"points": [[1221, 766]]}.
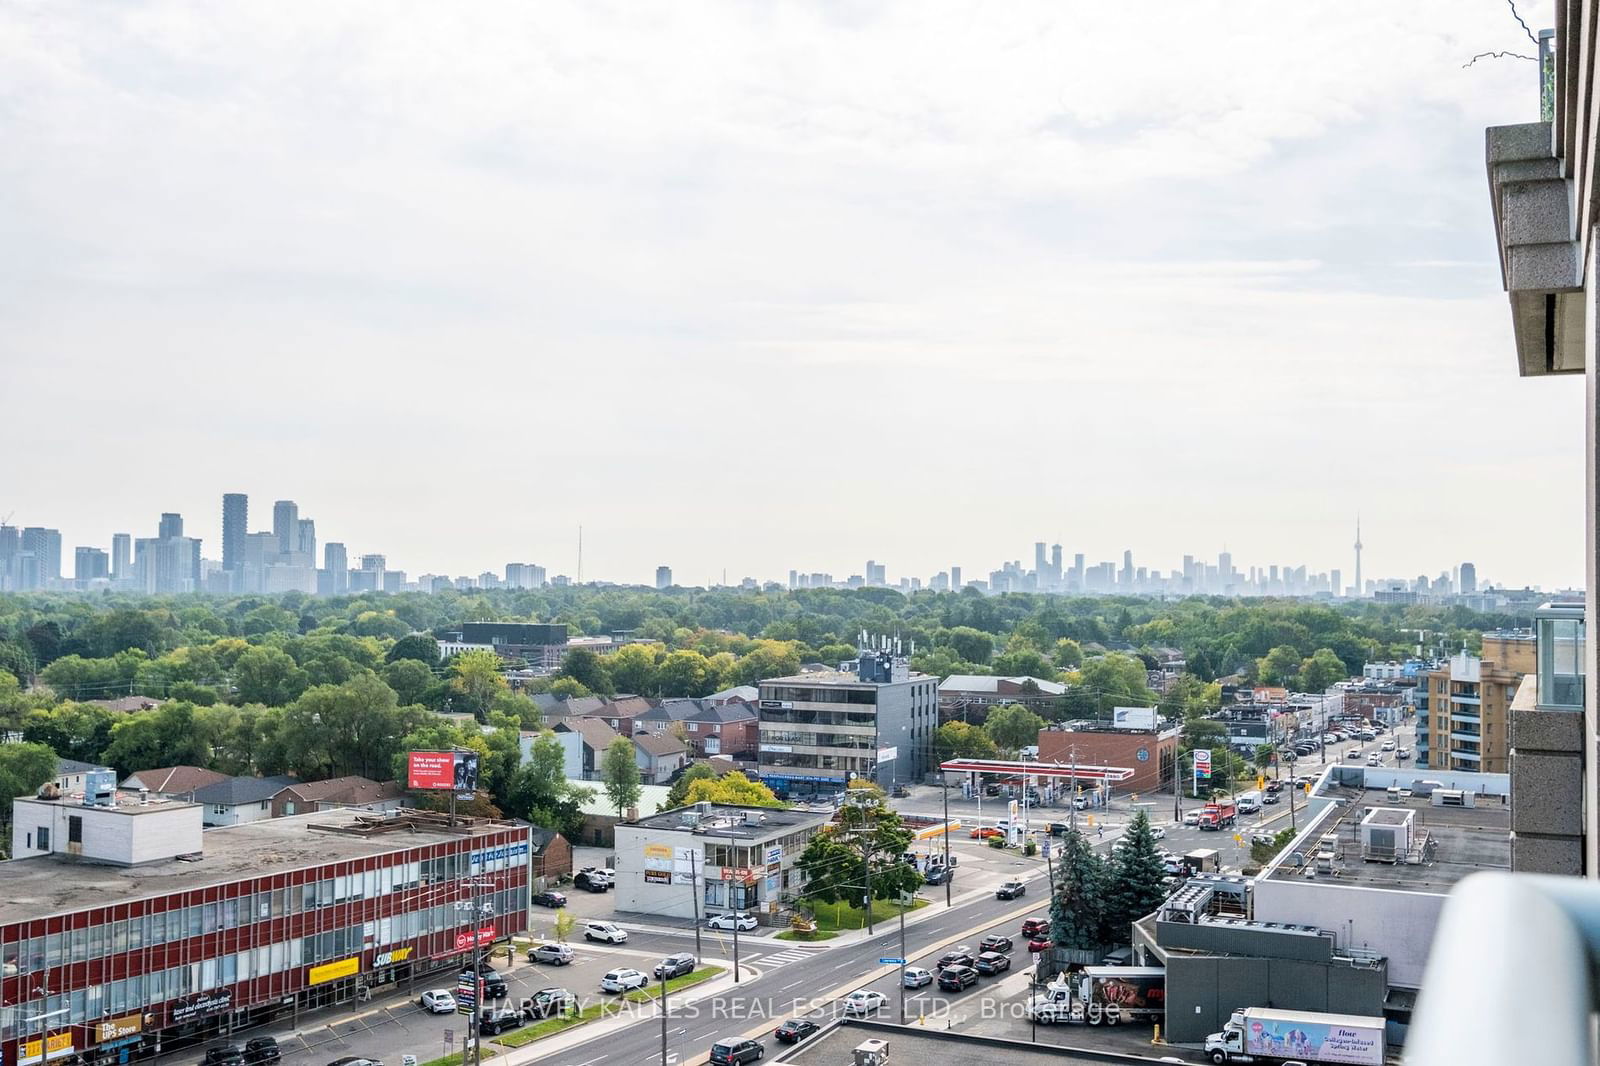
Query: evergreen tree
{"points": [[1133, 887], [1077, 907]]}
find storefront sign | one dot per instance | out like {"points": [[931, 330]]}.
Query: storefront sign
{"points": [[332, 971], [500, 854], [485, 938], [775, 855], [389, 958], [57, 1046], [117, 1028], [741, 873], [657, 864], [206, 1003]]}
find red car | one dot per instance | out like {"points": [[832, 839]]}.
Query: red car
{"points": [[1032, 927], [1039, 943], [984, 832]]}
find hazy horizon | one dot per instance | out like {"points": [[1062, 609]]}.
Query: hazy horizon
{"points": [[760, 288]]}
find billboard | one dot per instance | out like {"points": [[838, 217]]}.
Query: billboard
{"points": [[657, 864], [443, 770], [1144, 718]]}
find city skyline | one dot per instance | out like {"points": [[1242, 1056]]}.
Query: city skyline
{"points": [[283, 556]]}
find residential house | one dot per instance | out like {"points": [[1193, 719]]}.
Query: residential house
{"points": [[600, 816], [70, 774], [583, 742], [737, 694], [128, 704], [620, 713], [729, 729], [176, 782], [552, 854], [237, 800], [968, 697], [337, 792], [660, 755]]}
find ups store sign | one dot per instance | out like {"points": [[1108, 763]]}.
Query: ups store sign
{"points": [[117, 1028]]}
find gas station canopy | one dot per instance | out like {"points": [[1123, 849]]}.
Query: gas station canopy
{"points": [[1034, 768]]}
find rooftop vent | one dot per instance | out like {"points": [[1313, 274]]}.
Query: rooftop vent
{"points": [[872, 1053]]}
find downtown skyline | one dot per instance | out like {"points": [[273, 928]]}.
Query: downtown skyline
{"points": [[282, 525]]}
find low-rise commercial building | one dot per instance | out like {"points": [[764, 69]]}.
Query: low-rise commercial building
{"points": [[1147, 752], [968, 697], [540, 644], [712, 857], [126, 929]]}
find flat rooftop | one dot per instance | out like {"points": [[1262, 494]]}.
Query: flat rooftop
{"points": [[1466, 840], [42, 885], [726, 820], [834, 1046], [837, 677]]}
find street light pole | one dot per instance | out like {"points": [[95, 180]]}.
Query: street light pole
{"points": [[947, 878], [733, 871], [664, 1016], [902, 958]]}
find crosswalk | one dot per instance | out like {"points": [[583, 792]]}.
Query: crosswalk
{"points": [[782, 958]]}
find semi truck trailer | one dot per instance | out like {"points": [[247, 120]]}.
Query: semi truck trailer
{"points": [[1258, 1034]]}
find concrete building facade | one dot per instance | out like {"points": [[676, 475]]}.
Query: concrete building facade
{"points": [[1464, 707]]}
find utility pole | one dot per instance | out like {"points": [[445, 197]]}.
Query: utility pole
{"points": [[664, 1015], [733, 872], [902, 958], [947, 879], [1072, 815], [694, 894]]}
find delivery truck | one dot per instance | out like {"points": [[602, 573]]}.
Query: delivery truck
{"points": [[1257, 1034], [1103, 995], [1248, 802], [1203, 861], [1218, 814]]}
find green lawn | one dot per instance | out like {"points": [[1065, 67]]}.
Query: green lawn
{"points": [[832, 917], [793, 934], [548, 1026], [459, 1058]]}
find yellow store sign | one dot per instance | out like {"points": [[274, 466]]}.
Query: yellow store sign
{"points": [[332, 971], [58, 1045]]}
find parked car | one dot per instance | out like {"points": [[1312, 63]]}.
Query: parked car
{"points": [[1035, 926], [961, 956], [1402, 754], [356, 1060], [555, 954], [995, 942], [674, 965], [623, 980], [1039, 943], [916, 977], [494, 985], [992, 962], [606, 932], [549, 899], [223, 1055], [938, 875], [549, 1001], [1059, 829], [591, 880], [1080, 802], [742, 921], [262, 1049], [437, 1001], [955, 978], [795, 1030], [864, 1001], [735, 1052], [900, 792], [1010, 890], [496, 1020]]}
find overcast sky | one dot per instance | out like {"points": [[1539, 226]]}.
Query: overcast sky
{"points": [[759, 286]]}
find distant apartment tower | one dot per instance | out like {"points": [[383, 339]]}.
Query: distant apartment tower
{"points": [[44, 545], [235, 524], [524, 576], [955, 579], [121, 556], [171, 526], [286, 525], [337, 567], [1464, 708], [1469, 578], [877, 573], [89, 564], [663, 577], [306, 539]]}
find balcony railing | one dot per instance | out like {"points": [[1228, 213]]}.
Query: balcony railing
{"points": [[1526, 924]]}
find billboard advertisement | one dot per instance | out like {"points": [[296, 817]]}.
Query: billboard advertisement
{"points": [[1314, 1041], [1144, 718], [657, 864], [443, 771]]}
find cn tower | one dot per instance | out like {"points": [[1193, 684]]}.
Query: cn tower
{"points": [[1358, 558]]}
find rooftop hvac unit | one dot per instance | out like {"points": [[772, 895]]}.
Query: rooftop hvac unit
{"points": [[703, 808], [872, 1053], [1454, 797]]}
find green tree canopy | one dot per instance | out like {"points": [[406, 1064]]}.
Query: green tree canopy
{"points": [[619, 775], [1077, 906], [958, 740], [420, 647], [1133, 886], [1012, 726]]}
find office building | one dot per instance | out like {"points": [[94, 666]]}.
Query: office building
{"points": [[524, 576], [45, 547], [955, 579], [166, 566], [90, 564], [132, 929], [10, 549], [663, 577], [171, 525], [541, 645], [877, 574], [337, 567], [1469, 579], [306, 539], [286, 525], [235, 524], [1464, 707], [873, 719]]}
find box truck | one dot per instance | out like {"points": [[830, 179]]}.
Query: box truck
{"points": [[1257, 1034], [1103, 995]]}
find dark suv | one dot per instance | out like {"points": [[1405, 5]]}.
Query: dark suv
{"points": [[735, 1052], [995, 942], [224, 1055], [262, 1049], [497, 1020], [494, 985], [675, 965]]}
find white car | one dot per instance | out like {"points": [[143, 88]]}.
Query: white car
{"points": [[916, 977], [1158, 832], [1189, 818], [623, 980], [741, 921], [1388, 745], [437, 1001], [608, 932], [864, 1001]]}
